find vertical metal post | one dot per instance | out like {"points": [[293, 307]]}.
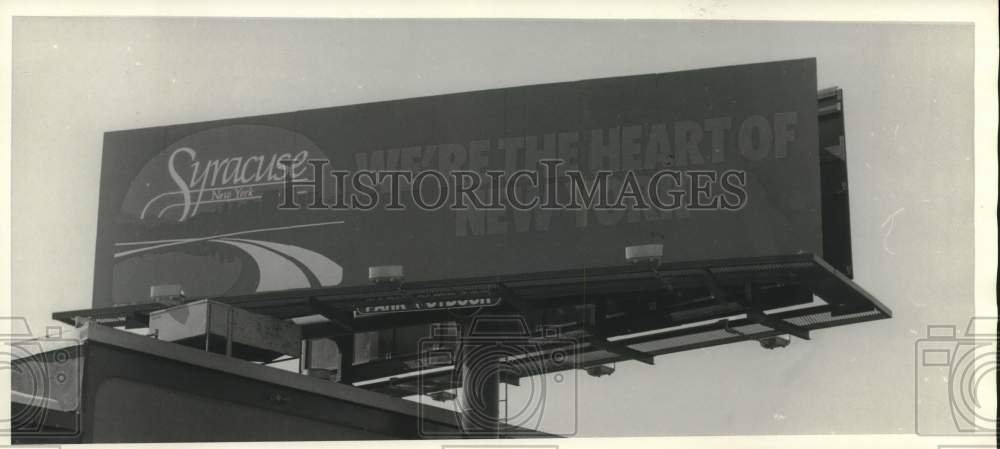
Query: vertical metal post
{"points": [[346, 345], [480, 401], [230, 322], [208, 326]]}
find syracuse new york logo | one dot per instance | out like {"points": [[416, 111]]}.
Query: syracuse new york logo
{"points": [[214, 170]]}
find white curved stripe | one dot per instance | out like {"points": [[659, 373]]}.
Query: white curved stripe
{"points": [[276, 271], [157, 244], [327, 272]]}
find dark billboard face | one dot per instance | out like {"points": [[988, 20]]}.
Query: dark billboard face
{"points": [[716, 163]]}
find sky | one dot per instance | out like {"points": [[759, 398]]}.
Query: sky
{"points": [[909, 119]]}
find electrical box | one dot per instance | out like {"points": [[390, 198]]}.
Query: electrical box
{"points": [[225, 329]]}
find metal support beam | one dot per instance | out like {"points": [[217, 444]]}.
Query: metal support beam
{"points": [[529, 313], [713, 286], [620, 349], [596, 336], [480, 400], [510, 378], [667, 285], [328, 313], [755, 314], [778, 324]]}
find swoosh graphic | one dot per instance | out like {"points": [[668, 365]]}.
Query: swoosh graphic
{"points": [[313, 282], [276, 271], [280, 266], [157, 244], [327, 272]]}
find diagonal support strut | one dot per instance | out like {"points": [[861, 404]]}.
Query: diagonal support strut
{"points": [[620, 349], [328, 313], [778, 324], [755, 314]]}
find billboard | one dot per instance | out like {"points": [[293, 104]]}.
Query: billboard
{"points": [[713, 163]]}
